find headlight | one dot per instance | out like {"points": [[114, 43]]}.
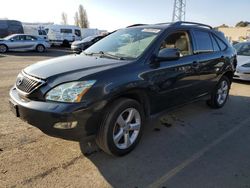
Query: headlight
{"points": [[246, 65], [69, 92]]}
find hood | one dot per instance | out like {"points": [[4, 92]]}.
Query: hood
{"points": [[241, 60], [76, 43], [2, 39], [71, 64]]}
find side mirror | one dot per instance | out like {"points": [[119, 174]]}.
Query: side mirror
{"points": [[12, 40], [168, 54]]}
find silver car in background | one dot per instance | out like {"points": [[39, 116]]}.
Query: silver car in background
{"points": [[22, 42], [243, 64]]}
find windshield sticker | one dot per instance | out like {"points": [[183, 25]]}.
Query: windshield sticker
{"points": [[151, 30]]}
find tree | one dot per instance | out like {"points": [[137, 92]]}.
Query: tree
{"points": [[76, 18], [223, 25], [64, 19], [83, 18], [242, 24]]}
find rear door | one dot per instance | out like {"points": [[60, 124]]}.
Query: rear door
{"points": [[30, 42], [210, 57]]}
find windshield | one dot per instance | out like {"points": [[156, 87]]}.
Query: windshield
{"points": [[88, 38], [9, 37], [243, 49], [125, 43]]}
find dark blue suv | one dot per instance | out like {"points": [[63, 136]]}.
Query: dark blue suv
{"points": [[113, 86]]}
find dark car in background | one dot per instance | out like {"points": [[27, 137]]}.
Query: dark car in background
{"points": [[112, 87], [79, 46], [8, 27]]}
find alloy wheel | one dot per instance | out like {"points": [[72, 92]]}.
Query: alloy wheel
{"points": [[3, 48], [222, 92], [127, 128]]}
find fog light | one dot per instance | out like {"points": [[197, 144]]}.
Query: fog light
{"points": [[65, 125]]}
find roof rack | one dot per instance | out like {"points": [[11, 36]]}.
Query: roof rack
{"points": [[164, 23], [179, 23], [134, 25]]}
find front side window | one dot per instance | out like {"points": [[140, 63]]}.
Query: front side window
{"points": [[16, 38], [126, 43], [78, 32], [179, 40], [203, 42]]}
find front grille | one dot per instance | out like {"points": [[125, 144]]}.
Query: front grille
{"points": [[27, 83]]}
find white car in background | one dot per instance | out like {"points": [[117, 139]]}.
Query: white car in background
{"points": [[22, 42], [243, 65]]}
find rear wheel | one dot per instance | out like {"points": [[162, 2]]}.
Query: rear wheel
{"points": [[40, 48], [3, 48], [220, 94], [121, 128]]}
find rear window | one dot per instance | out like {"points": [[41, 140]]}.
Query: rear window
{"points": [[203, 41], [66, 30]]}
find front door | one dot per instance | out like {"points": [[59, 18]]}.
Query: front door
{"points": [[174, 82]]}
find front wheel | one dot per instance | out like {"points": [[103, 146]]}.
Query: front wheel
{"points": [[121, 128], [40, 48], [3, 48], [220, 93]]}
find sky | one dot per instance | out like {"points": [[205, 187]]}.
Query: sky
{"points": [[114, 14]]}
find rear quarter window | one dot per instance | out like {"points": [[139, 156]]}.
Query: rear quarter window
{"points": [[222, 45], [215, 44]]}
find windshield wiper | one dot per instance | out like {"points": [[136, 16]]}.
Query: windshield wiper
{"points": [[104, 54]]}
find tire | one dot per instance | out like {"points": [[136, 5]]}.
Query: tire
{"points": [[3, 48], [220, 93], [40, 48], [126, 136], [65, 43]]}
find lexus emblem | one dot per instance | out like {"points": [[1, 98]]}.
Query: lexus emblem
{"points": [[19, 81]]}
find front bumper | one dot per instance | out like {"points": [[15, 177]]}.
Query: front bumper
{"points": [[242, 74], [76, 49], [44, 115]]}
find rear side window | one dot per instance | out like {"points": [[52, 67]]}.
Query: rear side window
{"points": [[28, 37], [215, 44], [66, 31], [203, 42]]}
